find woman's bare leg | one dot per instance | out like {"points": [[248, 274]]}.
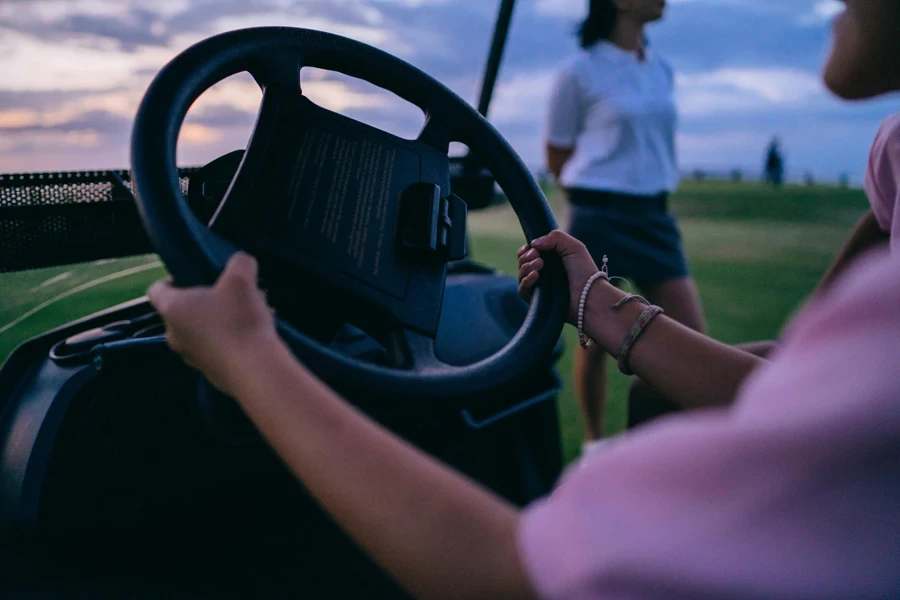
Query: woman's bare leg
{"points": [[680, 300], [590, 388]]}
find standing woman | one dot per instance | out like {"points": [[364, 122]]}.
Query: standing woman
{"points": [[610, 142]]}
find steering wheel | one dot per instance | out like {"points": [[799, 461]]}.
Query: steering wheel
{"points": [[347, 205]]}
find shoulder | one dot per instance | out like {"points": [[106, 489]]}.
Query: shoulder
{"points": [[891, 125], [572, 72], [883, 170], [575, 66], [887, 139]]}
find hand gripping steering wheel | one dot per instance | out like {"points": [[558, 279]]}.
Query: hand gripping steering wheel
{"points": [[347, 205]]}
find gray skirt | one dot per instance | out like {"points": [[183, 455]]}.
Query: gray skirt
{"points": [[637, 233]]}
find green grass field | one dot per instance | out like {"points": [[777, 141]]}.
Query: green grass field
{"points": [[756, 253]]}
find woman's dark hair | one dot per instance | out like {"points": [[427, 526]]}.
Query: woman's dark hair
{"points": [[599, 24]]}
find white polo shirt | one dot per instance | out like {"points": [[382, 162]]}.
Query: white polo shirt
{"points": [[618, 112]]}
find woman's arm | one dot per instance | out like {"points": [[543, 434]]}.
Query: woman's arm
{"points": [[687, 367], [438, 534], [865, 235], [564, 121], [693, 370], [557, 158]]}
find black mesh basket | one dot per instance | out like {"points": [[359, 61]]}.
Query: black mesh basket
{"points": [[52, 219], [49, 219]]}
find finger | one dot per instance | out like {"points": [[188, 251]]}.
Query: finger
{"points": [[242, 270], [173, 340], [528, 257], [557, 241], [535, 265], [526, 286], [161, 295], [547, 242], [523, 250], [529, 268], [525, 292]]}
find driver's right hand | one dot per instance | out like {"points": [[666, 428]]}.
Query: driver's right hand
{"points": [[215, 328], [577, 261]]}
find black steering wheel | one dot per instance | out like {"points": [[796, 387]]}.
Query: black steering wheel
{"points": [[345, 204]]}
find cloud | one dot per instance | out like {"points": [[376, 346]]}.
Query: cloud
{"points": [[195, 134], [33, 65], [522, 97], [97, 121], [41, 139], [821, 12], [131, 31], [129, 25], [75, 71], [737, 90]]}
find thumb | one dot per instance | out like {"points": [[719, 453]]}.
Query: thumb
{"points": [[161, 295], [555, 241], [241, 269]]}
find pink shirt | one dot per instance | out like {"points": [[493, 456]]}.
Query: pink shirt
{"points": [[792, 493], [882, 173]]}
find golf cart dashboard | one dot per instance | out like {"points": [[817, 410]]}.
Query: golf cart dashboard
{"points": [[109, 381]]}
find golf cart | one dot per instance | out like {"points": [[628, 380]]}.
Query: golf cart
{"points": [[123, 472]]}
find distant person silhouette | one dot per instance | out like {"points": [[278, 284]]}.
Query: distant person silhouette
{"points": [[774, 169]]}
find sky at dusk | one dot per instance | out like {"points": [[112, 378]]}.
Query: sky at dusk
{"points": [[74, 71]]}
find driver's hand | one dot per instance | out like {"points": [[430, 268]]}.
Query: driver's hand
{"points": [[213, 327], [576, 259]]}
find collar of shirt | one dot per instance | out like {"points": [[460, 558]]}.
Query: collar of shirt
{"points": [[611, 51]]}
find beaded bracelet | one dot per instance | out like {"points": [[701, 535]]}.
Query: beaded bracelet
{"points": [[633, 334], [584, 340]]}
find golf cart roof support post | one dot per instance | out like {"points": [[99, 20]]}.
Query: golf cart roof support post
{"points": [[498, 44]]}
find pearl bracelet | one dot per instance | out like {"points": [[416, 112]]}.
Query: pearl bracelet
{"points": [[583, 339]]}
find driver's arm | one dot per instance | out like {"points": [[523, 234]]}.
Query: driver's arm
{"points": [[438, 534]]}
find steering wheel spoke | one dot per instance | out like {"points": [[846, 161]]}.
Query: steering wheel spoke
{"points": [[243, 190], [277, 67], [410, 350], [436, 133]]}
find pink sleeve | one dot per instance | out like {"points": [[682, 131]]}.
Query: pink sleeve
{"points": [[882, 181], [790, 494]]}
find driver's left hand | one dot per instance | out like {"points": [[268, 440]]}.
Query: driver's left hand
{"points": [[213, 328]]}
